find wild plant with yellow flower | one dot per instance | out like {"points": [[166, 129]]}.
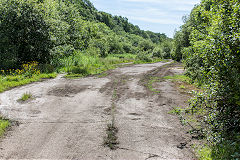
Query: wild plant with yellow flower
{"points": [[28, 70]]}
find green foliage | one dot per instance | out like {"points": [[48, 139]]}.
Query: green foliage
{"points": [[10, 81], [181, 39], [79, 64], [158, 52], [3, 125], [25, 97], [47, 31], [144, 57], [146, 45], [150, 83], [163, 50], [212, 58], [70, 36], [204, 152], [179, 44], [176, 110], [227, 149], [120, 24], [180, 77], [111, 140], [24, 33], [166, 49], [128, 57], [182, 87]]}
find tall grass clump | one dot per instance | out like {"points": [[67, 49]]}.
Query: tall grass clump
{"points": [[80, 64]]}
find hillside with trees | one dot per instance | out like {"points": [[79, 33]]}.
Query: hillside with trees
{"points": [[67, 34]]}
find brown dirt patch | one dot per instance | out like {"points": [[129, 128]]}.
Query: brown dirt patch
{"points": [[66, 90]]}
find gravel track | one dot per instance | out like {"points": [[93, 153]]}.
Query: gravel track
{"points": [[67, 119]]}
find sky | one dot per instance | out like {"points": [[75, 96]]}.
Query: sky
{"points": [[161, 16]]}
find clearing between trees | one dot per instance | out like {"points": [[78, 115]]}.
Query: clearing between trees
{"points": [[115, 115]]}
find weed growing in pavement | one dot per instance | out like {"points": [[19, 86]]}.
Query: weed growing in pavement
{"points": [[3, 125], [177, 77], [150, 83], [111, 139], [26, 96], [182, 87]]}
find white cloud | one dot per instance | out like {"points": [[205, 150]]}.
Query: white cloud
{"points": [[157, 11], [158, 20], [152, 15], [157, 15], [174, 5], [143, 12], [182, 2]]}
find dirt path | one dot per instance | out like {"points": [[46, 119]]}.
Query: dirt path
{"points": [[68, 119]]}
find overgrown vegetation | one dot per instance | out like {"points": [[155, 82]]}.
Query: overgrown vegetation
{"points": [[59, 33], [29, 73], [82, 65], [209, 45], [150, 83], [70, 36]]}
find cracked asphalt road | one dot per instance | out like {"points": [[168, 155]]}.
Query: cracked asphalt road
{"points": [[67, 119]]}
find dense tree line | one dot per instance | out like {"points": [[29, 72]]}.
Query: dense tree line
{"points": [[209, 45], [48, 30], [115, 23]]}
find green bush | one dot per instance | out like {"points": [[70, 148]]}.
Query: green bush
{"points": [[157, 52], [166, 49], [209, 42], [24, 34], [79, 70], [144, 57]]}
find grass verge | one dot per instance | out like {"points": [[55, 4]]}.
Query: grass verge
{"points": [[180, 77], [225, 150], [184, 84], [10, 81], [80, 65], [83, 65], [155, 60], [192, 117]]}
